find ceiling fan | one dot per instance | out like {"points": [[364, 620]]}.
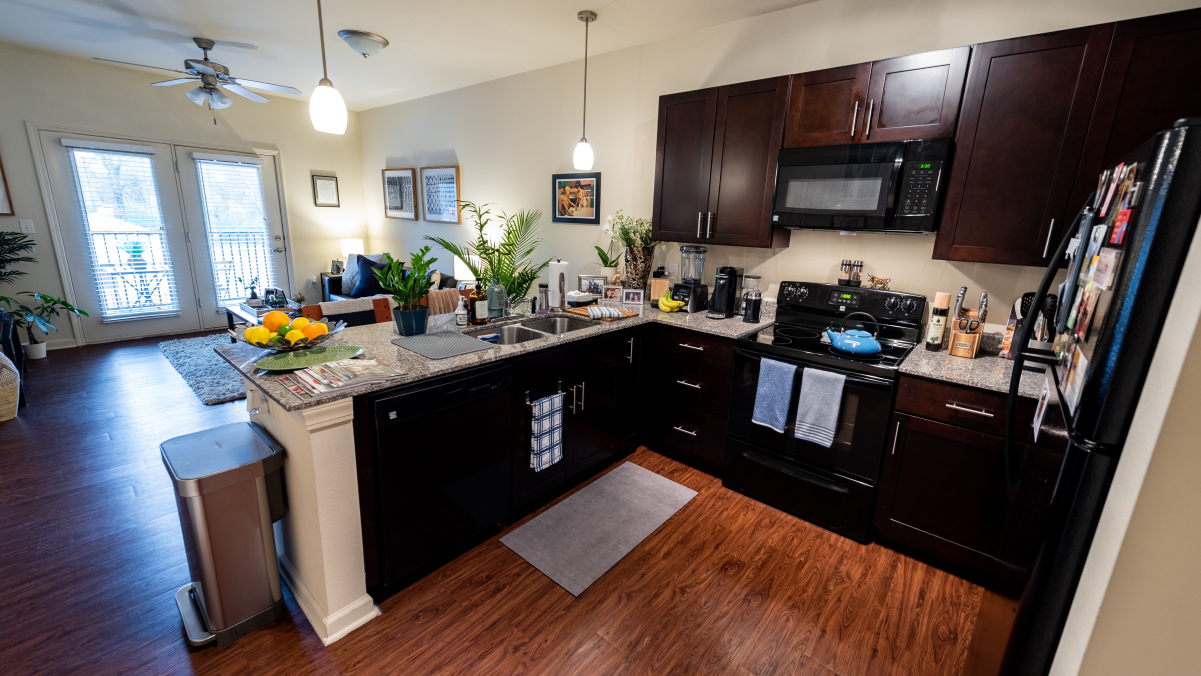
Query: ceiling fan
{"points": [[212, 76]]}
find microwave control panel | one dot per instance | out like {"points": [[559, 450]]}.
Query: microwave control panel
{"points": [[919, 189]]}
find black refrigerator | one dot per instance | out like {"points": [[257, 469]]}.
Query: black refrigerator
{"points": [[1130, 244]]}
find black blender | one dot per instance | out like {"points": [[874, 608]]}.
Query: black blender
{"points": [[690, 289]]}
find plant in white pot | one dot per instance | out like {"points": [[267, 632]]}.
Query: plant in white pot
{"points": [[408, 287], [609, 262], [37, 315]]}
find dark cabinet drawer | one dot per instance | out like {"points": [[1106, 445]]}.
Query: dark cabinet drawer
{"points": [[695, 345], [694, 384], [699, 436], [973, 409]]}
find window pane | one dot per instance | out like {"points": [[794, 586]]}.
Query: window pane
{"points": [[127, 239], [239, 242]]}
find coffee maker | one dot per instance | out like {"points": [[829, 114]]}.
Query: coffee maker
{"points": [[727, 292], [690, 289]]}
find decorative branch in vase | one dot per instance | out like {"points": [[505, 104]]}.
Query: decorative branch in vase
{"points": [[635, 235]]}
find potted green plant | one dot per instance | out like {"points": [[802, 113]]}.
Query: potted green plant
{"points": [[408, 287], [635, 235], [135, 251], [507, 259], [609, 262], [37, 315], [253, 299]]}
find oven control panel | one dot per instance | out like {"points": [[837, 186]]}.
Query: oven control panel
{"points": [[836, 299]]}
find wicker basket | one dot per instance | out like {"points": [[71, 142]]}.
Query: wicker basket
{"points": [[10, 386]]}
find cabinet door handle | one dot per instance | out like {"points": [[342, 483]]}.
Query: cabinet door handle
{"points": [[573, 399], [867, 120], [896, 435], [854, 119], [1050, 231], [688, 384], [698, 224], [957, 407], [692, 347], [582, 395], [709, 225], [631, 357], [681, 429]]}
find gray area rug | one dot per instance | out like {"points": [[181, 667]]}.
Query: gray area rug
{"points": [[579, 539], [209, 376]]}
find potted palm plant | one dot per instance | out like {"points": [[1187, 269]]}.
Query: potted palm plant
{"points": [[508, 259], [37, 315], [408, 287]]}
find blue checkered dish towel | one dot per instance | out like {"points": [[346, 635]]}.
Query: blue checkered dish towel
{"points": [[546, 437]]}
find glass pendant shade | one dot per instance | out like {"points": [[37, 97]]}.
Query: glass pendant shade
{"points": [[327, 110], [582, 158]]}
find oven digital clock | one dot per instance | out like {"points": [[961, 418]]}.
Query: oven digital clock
{"points": [[844, 298]]}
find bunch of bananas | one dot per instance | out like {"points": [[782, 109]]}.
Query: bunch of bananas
{"points": [[666, 304]]}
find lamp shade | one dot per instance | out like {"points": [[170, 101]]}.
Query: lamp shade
{"points": [[582, 157], [327, 109], [352, 246]]}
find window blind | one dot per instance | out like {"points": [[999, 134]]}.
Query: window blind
{"points": [[125, 234], [236, 224]]}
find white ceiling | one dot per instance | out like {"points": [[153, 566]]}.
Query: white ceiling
{"points": [[436, 45]]}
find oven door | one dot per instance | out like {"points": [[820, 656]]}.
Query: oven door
{"points": [[839, 187], [858, 447]]}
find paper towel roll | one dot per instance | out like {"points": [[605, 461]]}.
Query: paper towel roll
{"points": [[558, 272]]}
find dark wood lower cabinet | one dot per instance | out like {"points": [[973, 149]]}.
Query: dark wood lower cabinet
{"points": [[695, 436]]}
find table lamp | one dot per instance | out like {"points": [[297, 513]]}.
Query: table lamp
{"points": [[349, 246]]}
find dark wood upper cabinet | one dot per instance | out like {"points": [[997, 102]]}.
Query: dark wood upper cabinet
{"points": [[915, 97], [1022, 128], [827, 107], [715, 164]]}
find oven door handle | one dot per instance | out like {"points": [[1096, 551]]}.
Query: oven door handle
{"points": [[795, 472], [864, 381]]}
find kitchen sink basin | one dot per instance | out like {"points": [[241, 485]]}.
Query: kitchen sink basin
{"points": [[513, 334], [557, 325]]}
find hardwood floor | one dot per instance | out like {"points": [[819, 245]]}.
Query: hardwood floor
{"points": [[91, 555]]}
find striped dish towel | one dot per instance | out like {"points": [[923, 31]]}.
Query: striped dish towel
{"points": [[546, 437], [819, 405], [601, 312]]}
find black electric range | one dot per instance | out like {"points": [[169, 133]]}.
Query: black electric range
{"points": [[833, 487]]}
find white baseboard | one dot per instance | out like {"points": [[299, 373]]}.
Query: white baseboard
{"points": [[339, 623]]}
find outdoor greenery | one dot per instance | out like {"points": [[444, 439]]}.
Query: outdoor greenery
{"points": [[630, 231], [134, 248], [408, 287], [509, 259], [13, 246]]}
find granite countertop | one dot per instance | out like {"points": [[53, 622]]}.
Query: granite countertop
{"points": [[376, 341], [987, 371]]}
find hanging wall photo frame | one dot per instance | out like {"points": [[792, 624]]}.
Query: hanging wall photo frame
{"points": [[325, 191], [576, 198], [400, 193], [440, 194], [6, 200]]}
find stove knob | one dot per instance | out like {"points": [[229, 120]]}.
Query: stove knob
{"points": [[908, 305], [891, 303], [802, 293]]}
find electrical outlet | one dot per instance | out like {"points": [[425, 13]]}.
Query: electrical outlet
{"points": [[26, 227], [313, 281]]}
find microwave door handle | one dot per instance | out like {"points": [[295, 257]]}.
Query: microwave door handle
{"points": [[854, 119]]}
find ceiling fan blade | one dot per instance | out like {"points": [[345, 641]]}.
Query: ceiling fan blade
{"points": [[199, 67], [265, 85], [126, 63], [246, 93], [218, 99], [168, 83], [198, 95]]}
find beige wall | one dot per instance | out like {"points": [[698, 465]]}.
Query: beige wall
{"points": [[59, 90], [510, 135]]}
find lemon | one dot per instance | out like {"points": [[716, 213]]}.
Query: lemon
{"points": [[257, 334], [299, 323], [293, 336]]}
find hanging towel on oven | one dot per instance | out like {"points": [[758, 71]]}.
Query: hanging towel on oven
{"points": [[546, 437], [817, 410], [773, 394]]}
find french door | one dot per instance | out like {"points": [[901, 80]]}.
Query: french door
{"points": [[156, 235]]}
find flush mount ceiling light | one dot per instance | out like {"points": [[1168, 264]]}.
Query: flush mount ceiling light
{"points": [[582, 157], [364, 42], [327, 110]]}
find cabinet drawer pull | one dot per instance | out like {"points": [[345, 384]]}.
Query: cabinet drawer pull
{"points": [[685, 383], [692, 347], [867, 120], [681, 429], [970, 410], [854, 119], [896, 435], [631, 357]]}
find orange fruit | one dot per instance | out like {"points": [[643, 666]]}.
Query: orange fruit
{"points": [[314, 329], [273, 320]]}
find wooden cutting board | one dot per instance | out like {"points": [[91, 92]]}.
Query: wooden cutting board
{"points": [[583, 312]]}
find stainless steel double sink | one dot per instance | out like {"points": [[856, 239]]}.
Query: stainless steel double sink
{"points": [[533, 329]]}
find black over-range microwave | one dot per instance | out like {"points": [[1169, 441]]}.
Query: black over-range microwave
{"points": [[885, 187]]}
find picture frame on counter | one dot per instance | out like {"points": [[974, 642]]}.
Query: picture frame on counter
{"points": [[593, 284], [612, 293], [576, 198], [400, 193], [440, 191], [325, 191], [632, 296]]}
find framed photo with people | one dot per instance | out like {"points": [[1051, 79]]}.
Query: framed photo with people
{"points": [[576, 198], [400, 194]]}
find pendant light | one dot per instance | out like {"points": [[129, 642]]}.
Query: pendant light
{"points": [[582, 157], [327, 110]]}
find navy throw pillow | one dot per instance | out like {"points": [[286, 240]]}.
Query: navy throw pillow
{"points": [[367, 285]]}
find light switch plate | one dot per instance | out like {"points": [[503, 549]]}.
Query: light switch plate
{"points": [[26, 226], [313, 281]]}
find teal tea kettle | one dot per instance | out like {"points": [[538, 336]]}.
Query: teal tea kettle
{"points": [[855, 341]]}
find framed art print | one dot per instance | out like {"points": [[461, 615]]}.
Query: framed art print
{"points": [[325, 191], [400, 193], [576, 198], [6, 202], [440, 194]]}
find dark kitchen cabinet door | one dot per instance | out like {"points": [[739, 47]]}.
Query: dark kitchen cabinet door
{"points": [[1152, 78], [590, 421], [683, 158], [915, 97], [827, 107], [748, 130], [529, 484], [630, 378], [1022, 127]]}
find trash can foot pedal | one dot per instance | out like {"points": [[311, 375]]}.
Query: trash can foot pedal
{"points": [[193, 621]]}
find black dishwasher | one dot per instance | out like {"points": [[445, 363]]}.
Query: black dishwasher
{"points": [[442, 469]]}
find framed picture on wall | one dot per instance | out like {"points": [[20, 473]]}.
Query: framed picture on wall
{"points": [[325, 191], [400, 193], [6, 201], [576, 198], [440, 194]]}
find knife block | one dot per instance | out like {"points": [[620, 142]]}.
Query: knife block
{"points": [[964, 344]]}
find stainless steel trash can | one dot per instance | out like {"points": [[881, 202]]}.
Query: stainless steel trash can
{"points": [[229, 490]]}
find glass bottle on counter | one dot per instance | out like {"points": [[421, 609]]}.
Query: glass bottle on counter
{"points": [[938, 321], [461, 314], [478, 305], [497, 299]]}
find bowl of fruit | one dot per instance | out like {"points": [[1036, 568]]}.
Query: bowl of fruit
{"points": [[282, 333]]}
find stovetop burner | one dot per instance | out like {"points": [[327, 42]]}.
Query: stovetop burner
{"points": [[856, 356]]}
